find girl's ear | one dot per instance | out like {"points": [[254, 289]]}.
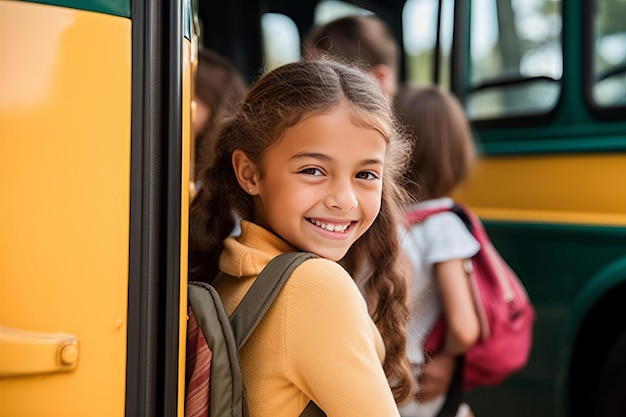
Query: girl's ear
{"points": [[246, 171]]}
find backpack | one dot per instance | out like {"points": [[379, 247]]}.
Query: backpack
{"points": [[214, 382], [505, 312]]}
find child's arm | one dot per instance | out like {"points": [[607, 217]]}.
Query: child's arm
{"points": [[435, 376], [458, 306], [463, 329]]}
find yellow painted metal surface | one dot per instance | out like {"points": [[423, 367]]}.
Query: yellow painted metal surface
{"points": [[65, 105], [189, 58], [576, 189]]}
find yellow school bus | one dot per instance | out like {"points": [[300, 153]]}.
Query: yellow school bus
{"points": [[94, 171]]}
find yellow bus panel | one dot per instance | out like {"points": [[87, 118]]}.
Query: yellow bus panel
{"points": [[65, 108], [575, 189]]}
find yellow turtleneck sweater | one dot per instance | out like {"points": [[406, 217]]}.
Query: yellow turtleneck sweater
{"points": [[317, 341]]}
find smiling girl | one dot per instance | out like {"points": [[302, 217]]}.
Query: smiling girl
{"points": [[310, 163]]}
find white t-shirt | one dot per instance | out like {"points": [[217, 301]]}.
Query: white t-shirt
{"points": [[441, 237]]}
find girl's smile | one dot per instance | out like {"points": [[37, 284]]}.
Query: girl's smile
{"points": [[330, 225], [331, 229]]}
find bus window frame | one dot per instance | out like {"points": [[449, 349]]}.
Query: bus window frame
{"points": [[601, 112], [467, 88]]}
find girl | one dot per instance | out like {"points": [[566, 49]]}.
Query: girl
{"points": [[442, 158], [310, 163]]}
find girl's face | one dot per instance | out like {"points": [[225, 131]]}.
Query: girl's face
{"points": [[320, 186]]}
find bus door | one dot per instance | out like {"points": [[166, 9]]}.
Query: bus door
{"points": [[94, 172]]}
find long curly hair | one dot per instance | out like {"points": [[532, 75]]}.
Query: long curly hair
{"points": [[280, 99]]}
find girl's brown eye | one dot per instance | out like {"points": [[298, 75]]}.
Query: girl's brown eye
{"points": [[367, 175], [311, 171]]}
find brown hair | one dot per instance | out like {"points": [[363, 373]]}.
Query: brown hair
{"points": [[365, 39], [220, 86], [444, 150], [277, 101]]}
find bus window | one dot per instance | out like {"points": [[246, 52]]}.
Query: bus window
{"points": [[419, 24], [608, 52], [328, 10], [281, 41], [515, 58]]}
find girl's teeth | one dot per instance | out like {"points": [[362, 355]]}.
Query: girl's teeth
{"points": [[330, 227]]}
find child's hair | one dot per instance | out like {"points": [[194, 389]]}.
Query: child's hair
{"points": [[278, 100], [364, 39], [444, 150], [220, 86]]}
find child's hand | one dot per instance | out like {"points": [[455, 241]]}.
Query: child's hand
{"points": [[435, 377]]}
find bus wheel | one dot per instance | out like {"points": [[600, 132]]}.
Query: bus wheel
{"points": [[610, 398]]}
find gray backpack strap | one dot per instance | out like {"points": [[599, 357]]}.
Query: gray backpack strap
{"points": [[265, 288], [312, 410], [262, 293]]}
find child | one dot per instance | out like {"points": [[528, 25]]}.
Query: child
{"points": [[219, 86], [442, 158], [366, 40], [310, 163]]}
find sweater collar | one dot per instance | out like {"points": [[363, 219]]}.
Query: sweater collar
{"points": [[247, 254]]}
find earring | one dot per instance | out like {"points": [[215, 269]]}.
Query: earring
{"points": [[250, 190]]}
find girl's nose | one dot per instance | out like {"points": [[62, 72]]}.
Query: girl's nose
{"points": [[342, 196]]}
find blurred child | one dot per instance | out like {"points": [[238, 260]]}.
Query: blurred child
{"points": [[442, 158], [365, 40], [219, 86]]}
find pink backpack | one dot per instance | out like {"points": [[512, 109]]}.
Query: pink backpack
{"points": [[505, 312]]}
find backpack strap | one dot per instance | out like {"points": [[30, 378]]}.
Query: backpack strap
{"points": [[454, 395], [265, 288], [312, 410], [461, 211], [419, 215]]}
